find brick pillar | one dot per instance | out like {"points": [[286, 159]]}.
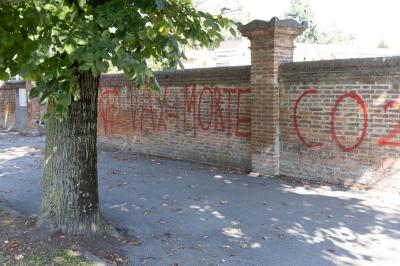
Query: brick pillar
{"points": [[272, 42], [34, 115]]}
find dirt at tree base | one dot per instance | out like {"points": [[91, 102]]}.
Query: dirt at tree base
{"points": [[22, 243]]}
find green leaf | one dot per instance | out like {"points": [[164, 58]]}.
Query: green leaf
{"points": [[105, 34], [34, 92], [129, 37], [102, 66], [4, 75], [47, 116], [69, 48], [125, 61], [80, 41], [64, 99], [232, 31], [45, 98], [89, 57], [164, 30], [140, 67], [155, 86], [82, 3], [64, 12], [131, 75], [151, 34], [85, 66]]}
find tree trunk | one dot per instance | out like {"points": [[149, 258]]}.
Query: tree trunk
{"points": [[70, 201]]}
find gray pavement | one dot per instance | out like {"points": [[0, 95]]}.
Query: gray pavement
{"points": [[192, 214]]}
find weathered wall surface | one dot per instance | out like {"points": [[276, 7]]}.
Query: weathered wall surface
{"points": [[202, 115], [340, 121], [13, 116], [8, 104], [35, 113]]}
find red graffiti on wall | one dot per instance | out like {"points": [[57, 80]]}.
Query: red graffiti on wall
{"points": [[229, 92], [133, 106], [173, 112], [147, 107], [341, 98], [211, 110], [190, 107], [162, 104], [219, 120], [208, 109], [108, 108], [296, 125], [386, 140], [365, 120], [239, 119]]}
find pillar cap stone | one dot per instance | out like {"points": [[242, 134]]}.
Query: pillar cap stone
{"points": [[257, 27]]}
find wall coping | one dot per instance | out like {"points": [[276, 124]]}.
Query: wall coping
{"points": [[12, 84], [355, 67], [256, 26], [274, 22], [214, 75]]}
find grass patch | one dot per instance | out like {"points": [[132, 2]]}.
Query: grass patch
{"points": [[24, 244], [55, 257]]}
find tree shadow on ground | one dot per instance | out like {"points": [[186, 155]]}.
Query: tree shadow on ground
{"points": [[194, 214]]}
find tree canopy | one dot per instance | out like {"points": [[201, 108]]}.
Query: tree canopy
{"points": [[50, 41], [233, 9], [301, 10], [64, 46]]}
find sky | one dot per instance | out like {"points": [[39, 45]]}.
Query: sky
{"points": [[369, 20]]}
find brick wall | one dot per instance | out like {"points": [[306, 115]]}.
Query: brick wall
{"points": [[336, 121], [7, 104], [8, 109], [340, 121], [202, 115], [272, 42], [35, 113]]}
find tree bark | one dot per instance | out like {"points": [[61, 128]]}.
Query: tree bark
{"points": [[70, 201]]}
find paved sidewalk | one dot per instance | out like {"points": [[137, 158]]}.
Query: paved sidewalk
{"points": [[191, 214]]}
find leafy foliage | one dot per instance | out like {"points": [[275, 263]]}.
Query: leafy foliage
{"points": [[51, 41], [382, 44], [232, 9], [301, 11]]}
